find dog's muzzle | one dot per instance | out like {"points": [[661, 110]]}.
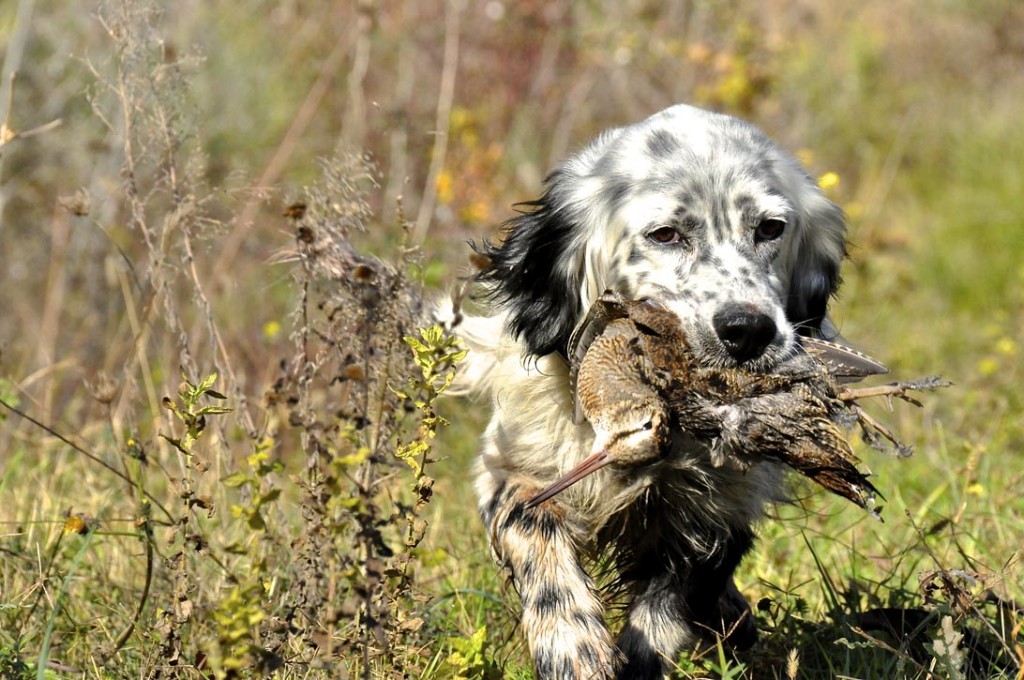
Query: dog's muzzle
{"points": [[745, 332]]}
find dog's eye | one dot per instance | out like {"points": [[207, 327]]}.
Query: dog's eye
{"points": [[665, 236], [769, 230]]}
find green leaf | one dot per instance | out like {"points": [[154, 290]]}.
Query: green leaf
{"points": [[206, 383], [416, 345], [355, 458], [256, 522], [432, 335], [411, 452], [270, 496], [255, 459], [349, 503], [213, 410], [177, 444], [236, 479], [469, 657]]}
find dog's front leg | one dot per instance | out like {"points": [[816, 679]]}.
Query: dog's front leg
{"points": [[563, 616], [656, 628], [679, 596], [715, 604]]}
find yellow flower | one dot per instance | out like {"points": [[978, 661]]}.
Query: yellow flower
{"points": [[75, 524], [1006, 346], [988, 366], [829, 180], [445, 187], [476, 212], [460, 118], [271, 329]]}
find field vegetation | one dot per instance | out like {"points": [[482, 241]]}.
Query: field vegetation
{"points": [[224, 450]]}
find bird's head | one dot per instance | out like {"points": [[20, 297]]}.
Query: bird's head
{"points": [[632, 436], [627, 438]]}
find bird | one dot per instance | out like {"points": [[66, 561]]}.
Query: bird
{"points": [[635, 380], [620, 390]]}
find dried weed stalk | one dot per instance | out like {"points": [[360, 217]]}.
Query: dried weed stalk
{"points": [[231, 582], [360, 390], [142, 97]]}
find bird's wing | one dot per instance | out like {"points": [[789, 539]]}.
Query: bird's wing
{"points": [[795, 429], [843, 363], [607, 308]]}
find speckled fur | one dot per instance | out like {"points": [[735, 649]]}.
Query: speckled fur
{"points": [[677, 531]]}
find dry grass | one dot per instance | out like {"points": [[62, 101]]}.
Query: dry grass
{"points": [[296, 516]]}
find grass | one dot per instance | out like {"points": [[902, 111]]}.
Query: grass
{"points": [[206, 467]]}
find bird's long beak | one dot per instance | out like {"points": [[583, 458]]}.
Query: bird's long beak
{"points": [[591, 463]]}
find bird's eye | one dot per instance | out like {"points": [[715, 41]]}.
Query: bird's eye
{"points": [[769, 230], [649, 425], [665, 235]]}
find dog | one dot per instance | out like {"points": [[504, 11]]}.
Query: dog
{"points": [[702, 214]]}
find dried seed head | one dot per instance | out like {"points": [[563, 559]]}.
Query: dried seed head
{"points": [[102, 388], [295, 211]]}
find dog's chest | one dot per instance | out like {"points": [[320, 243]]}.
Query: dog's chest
{"points": [[689, 502]]}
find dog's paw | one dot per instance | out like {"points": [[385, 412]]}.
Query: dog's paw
{"points": [[732, 620]]}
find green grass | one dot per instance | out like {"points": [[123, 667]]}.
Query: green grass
{"points": [[285, 537]]}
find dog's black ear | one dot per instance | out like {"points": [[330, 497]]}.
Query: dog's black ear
{"points": [[814, 273], [813, 282], [533, 276]]}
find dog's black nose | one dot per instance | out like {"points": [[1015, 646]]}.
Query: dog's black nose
{"points": [[744, 331]]}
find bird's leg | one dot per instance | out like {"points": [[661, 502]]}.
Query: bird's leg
{"points": [[563, 616], [871, 428], [898, 390]]}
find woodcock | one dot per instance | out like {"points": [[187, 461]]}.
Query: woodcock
{"points": [[636, 380]]}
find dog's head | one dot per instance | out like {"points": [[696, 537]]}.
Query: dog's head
{"points": [[697, 210]]}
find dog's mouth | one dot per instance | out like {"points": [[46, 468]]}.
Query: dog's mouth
{"points": [[736, 334], [711, 340], [711, 352]]}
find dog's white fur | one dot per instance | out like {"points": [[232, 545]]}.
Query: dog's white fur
{"points": [[719, 187]]}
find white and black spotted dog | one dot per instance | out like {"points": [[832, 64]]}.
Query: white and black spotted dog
{"points": [[702, 213]]}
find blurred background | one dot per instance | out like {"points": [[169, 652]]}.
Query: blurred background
{"points": [[908, 112], [464, 107]]}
